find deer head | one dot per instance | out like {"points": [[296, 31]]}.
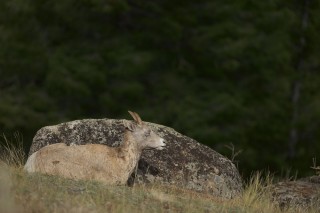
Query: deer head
{"points": [[143, 135]]}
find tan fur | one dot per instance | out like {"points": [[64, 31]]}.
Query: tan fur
{"points": [[95, 161]]}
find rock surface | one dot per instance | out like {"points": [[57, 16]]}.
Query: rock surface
{"points": [[184, 162], [303, 193]]}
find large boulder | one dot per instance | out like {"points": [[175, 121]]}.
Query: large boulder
{"points": [[184, 162], [303, 193]]}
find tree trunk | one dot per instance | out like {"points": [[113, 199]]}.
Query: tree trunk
{"points": [[297, 84]]}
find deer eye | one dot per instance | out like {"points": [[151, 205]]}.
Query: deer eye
{"points": [[147, 134]]}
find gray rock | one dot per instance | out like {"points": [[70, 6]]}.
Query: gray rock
{"points": [[303, 193], [184, 162]]}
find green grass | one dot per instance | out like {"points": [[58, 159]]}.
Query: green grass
{"points": [[22, 192]]}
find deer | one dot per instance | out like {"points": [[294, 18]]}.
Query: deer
{"points": [[98, 162]]}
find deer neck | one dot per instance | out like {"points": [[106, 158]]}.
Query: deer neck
{"points": [[129, 151]]}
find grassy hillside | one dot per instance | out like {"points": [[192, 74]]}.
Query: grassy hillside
{"points": [[22, 192]]}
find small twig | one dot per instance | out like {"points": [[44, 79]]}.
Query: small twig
{"points": [[234, 153], [315, 167]]}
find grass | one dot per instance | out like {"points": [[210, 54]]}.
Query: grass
{"points": [[12, 153], [22, 192]]}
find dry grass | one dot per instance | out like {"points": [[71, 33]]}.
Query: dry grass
{"points": [[12, 153], [22, 192]]}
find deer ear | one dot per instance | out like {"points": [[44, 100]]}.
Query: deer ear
{"points": [[133, 115], [131, 126], [136, 117]]}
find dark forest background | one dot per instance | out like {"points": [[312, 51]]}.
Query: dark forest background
{"points": [[242, 73]]}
